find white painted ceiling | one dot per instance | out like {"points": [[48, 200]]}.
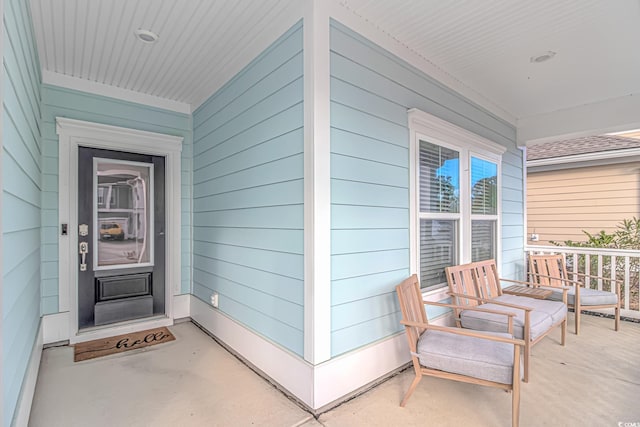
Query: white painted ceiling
{"points": [[485, 45], [201, 45]]}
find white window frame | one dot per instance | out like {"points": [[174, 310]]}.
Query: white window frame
{"points": [[426, 127]]}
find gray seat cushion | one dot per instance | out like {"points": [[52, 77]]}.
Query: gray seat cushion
{"points": [[480, 321], [470, 356], [587, 296], [556, 309]]}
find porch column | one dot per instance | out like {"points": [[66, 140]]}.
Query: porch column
{"points": [[317, 185]]}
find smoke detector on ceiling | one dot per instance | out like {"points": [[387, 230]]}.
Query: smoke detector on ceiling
{"points": [[146, 36], [542, 57]]}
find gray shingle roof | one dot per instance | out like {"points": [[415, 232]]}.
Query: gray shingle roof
{"points": [[588, 144]]}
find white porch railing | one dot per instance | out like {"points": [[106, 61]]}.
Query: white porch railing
{"points": [[599, 262]]}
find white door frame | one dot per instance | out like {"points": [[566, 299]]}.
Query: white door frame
{"points": [[75, 133]]}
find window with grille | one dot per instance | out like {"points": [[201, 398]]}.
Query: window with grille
{"points": [[455, 200]]}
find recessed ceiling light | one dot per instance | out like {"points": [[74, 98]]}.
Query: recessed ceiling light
{"points": [[543, 57], [146, 36]]}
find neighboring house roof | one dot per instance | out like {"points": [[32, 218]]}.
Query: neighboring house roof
{"points": [[578, 146]]}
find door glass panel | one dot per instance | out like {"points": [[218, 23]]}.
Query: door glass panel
{"points": [[123, 193]]}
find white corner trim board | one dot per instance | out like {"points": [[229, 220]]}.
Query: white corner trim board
{"points": [[317, 185], [181, 306], [23, 408], [55, 327], [73, 134]]}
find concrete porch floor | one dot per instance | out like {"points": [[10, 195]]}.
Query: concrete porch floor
{"points": [[193, 381]]}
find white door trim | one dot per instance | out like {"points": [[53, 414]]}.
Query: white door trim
{"points": [[75, 133]]}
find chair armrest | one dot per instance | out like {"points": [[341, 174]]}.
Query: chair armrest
{"points": [[572, 282], [490, 301], [591, 276], [537, 285], [520, 282], [578, 285], [465, 332]]}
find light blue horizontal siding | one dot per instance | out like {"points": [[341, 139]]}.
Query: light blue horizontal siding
{"points": [[366, 170], [385, 75], [366, 332], [257, 299], [275, 194], [278, 126], [276, 285], [369, 239], [275, 57], [368, 194], [358, 217], [276, 88], [371, 91], [62, 102], [263, 153], [351, 145], [253, 317], [248, 195], [21, 202]]}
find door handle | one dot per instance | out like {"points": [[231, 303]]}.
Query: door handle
{"points": [[84, 249]]}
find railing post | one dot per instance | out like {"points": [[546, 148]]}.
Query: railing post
{"points": [[626, 282], [613, 273], [600, 272]]}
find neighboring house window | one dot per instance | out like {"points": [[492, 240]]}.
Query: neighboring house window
{"points": [[455, 197]]}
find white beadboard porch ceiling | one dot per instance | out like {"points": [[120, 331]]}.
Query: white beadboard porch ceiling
{"points": [[485, 45], [201, 45]]}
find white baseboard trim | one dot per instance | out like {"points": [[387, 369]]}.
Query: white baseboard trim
{"points": [[23, 408], [288, 370], [55, 327], [315, 386], [181, 306], [364, 365], [345, 374]]}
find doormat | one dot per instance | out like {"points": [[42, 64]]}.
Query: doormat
{"points": [[118, 344]]}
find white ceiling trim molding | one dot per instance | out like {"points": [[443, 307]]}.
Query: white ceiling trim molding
{"points": [[608, 116], [88, 86], [363, 27]]}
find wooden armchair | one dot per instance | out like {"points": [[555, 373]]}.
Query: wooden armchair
{"points": [[478, 285], [550, 271], [491, 359]]}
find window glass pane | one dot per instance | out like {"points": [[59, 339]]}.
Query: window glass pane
{"points": [[438, 249], [483, 236], [439, 179], [484, 187], [123, 197]]}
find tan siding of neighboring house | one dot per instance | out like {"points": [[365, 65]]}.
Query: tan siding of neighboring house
{"points": [[562, 203]]}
